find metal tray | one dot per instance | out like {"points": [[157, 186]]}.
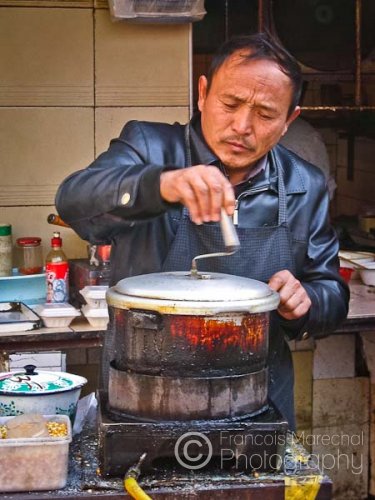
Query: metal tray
{"points": [[16, 317]]}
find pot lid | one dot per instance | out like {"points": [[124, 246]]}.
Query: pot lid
{"points": [[32, 381], [207, 292], [211, 287]]}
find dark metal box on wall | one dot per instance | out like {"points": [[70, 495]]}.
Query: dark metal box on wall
{"points": [[81, 274]]}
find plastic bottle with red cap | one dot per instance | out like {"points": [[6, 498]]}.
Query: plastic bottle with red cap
{"points": [[57, 272]]}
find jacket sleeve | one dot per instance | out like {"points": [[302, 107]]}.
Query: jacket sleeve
{"points": [[328, 292], [121, 186]]}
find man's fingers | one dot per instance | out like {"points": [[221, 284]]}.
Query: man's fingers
{"points": [[202, 198], [290, 290], [203, 189], [218, 186], [229, 199], [278, 280], [190, 201], [291, 301], [294, 300], [216, 200], [300, 311]]}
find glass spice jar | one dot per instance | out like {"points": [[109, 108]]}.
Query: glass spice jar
{"points": [[30, 255]]}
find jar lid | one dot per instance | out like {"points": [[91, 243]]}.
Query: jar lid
{"points": [[184, 293], [32, 381], [32, 241], [5, 229]]}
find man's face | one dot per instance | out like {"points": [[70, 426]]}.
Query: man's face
{"points": [[244, 113]]}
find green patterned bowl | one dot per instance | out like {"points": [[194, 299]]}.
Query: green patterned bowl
{"points": [[31, 391]]}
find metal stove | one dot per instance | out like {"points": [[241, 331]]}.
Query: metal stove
{"points": [[251, 443]]}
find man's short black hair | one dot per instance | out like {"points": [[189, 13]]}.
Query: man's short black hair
{"points": [[260, 46]]}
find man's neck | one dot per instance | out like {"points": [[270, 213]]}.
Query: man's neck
{"points": [[238, 175]]}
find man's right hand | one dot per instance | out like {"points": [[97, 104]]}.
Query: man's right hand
{"points": [[203, 189]]}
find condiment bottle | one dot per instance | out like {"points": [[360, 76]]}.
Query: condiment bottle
{"points": [[5, 250], [57, 272], [30, 255]]}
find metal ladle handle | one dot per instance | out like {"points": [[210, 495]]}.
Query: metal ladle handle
{"points": [[230, 237], [231, 242]]}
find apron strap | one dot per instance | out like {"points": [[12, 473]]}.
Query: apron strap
{"points": [[282, 198], [187, 145], [282, 218]]}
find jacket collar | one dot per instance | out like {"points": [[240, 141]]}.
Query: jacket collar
{"points": [[201, 154], [267, 178], [288, 163]]}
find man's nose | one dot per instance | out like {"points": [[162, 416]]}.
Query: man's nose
{"points": [[242, 122]]}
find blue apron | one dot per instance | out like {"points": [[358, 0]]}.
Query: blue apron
{"points": [[263, 252]]}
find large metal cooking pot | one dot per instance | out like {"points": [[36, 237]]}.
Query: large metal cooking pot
{"points": [[189, 347]]}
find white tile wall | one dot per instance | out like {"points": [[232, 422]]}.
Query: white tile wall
{"points": [[47, 361], [334, 357]]}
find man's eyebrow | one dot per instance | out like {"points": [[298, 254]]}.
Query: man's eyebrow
{"points": [[263, 106], [233, 97], [266, 107]]}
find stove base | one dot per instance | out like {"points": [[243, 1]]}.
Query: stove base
{"points": [[256, 443]]}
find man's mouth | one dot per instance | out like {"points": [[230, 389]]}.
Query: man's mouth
{"points": [[239, 146]]}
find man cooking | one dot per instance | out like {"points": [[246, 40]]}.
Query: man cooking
{"points": [[155, 194]]}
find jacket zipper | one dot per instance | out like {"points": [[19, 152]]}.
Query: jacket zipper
{"points": [[235, 213], [242, 195]]}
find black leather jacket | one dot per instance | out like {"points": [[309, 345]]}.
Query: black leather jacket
{"points": [[117, 200]]}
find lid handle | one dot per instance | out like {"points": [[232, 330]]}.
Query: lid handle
{"points": [[231, 243], [30, 370]]}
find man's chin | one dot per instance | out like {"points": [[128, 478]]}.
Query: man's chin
{"points": [[236, 163]]}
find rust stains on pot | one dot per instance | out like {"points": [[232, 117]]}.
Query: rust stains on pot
{"points": [[219, 334]]}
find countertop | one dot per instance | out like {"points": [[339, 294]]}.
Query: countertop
{"points": [[85, 482], [362, 301], [361, 318]]}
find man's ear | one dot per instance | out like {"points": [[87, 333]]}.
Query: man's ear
{"points": [[292, 117], [202, 91]]}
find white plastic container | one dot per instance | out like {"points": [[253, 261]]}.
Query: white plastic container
{"points": [[368, 274], [97, 317], [361, 258], [56, 314], [94, 295], [32, 464]]}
